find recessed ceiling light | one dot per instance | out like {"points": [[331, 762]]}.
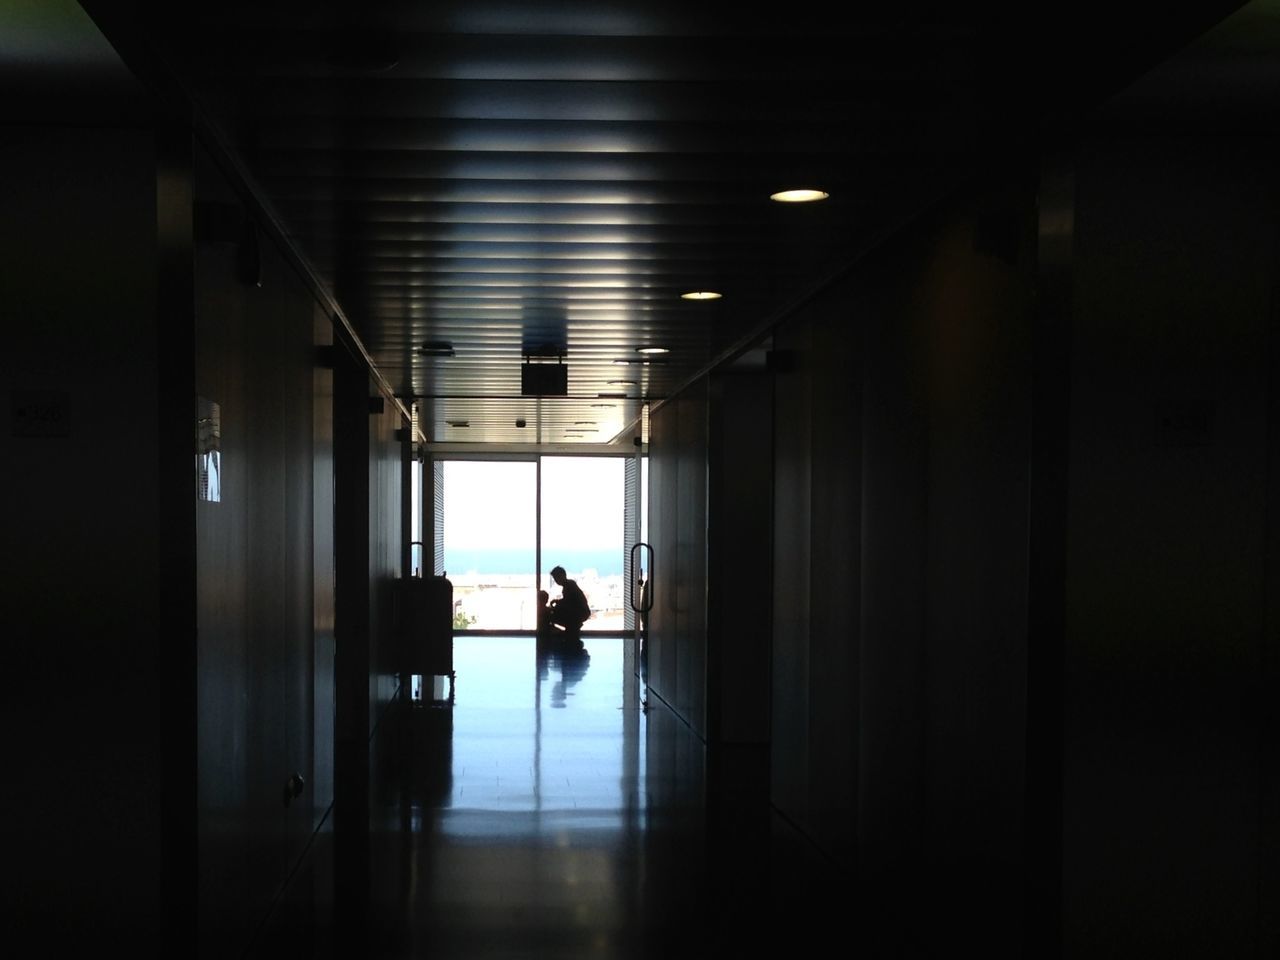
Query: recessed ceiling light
{"points": [[652, 350], [799, 196], [700, 295]]}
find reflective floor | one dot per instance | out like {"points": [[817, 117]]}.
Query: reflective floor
{"points": [[547, 813]]}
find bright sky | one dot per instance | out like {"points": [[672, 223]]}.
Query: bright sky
{"points": [[491, 505]]}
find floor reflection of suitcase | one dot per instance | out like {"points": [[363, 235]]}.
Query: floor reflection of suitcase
{"points": [[427, 643]]}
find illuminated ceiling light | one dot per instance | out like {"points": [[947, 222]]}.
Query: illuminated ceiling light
{"points": [[652, 350], [701, 295], [799, 196]]}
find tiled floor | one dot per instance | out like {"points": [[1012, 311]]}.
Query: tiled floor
{"points": [[545, 814]]}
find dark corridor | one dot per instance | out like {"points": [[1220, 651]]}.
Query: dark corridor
{"points": [[963, 475]]}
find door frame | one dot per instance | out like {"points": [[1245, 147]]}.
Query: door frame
{"points": [[443, 453]]}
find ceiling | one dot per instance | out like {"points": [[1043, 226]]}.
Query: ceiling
{"points": [[517, 178]]}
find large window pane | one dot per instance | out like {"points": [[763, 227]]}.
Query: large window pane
{"points": [[490, 528], [582, 531]]}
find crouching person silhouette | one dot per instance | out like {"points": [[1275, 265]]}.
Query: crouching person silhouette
{"points": [[570, 611]]}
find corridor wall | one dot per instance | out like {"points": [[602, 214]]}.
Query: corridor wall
{"points": [[901, 425], [739, 555], [677, 630], [87, 645], [265, 701], [1169, 799]]}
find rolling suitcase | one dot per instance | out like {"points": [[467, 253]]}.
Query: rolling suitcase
{"points": [[427, 639]]}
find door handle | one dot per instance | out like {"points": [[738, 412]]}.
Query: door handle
{"points": [[646, 602]]}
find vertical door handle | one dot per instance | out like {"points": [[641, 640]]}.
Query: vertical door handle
{"points": [[646, 601]]}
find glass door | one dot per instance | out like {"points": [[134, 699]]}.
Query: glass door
{"points": [[502, 525]]}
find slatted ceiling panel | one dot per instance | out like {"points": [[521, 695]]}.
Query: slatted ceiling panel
{"points": [[506, 175], [609, 221], [411, 242], [608, 101], [502, 174], [874, 62], [403, 190], [573, 21], [602, 136], [763, 167], [547, 421]]}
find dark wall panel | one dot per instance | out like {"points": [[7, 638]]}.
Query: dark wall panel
{"points": [[663, 516], [324, 692], [1175, 300], [369, 551], [82, 537], [256, 580], [691, 557], [677, 634], [891, 731], [792, 530], [677, 526], [899, 574], [835, 498], [978, 328], [352, 661], [740, 557], [386, 540]]}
